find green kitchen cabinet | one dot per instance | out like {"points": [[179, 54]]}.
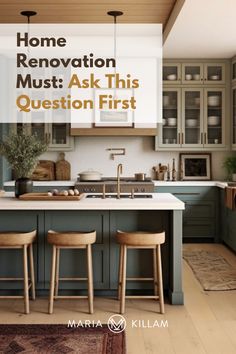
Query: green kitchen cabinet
{"points": [[139, 261], [73, 261], [228, 224], [201, 214], [11, 260]]}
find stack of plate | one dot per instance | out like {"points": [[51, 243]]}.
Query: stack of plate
{"points": [[191, 123], [213, 120]]}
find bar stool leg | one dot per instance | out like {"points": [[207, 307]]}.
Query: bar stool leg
{"points": [[123, 281], [90, 278], [160, 281], [32, 271], [52, 285], [26, 279], [120, 271], [57, 270], [155, 272]]}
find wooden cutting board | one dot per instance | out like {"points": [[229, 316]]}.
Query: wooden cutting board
{"points": [[44, 196], [44, 171]]}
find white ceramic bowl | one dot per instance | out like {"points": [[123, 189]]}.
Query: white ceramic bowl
{"points": [[196, 77], [214, 77], [191, 123], [213, 101], [172, 121], [213, 120], [171, 77], [164, 121]]}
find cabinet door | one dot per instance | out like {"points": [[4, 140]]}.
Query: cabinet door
{"points": [[214, 73], [234, 117], [214, 117], [171, 73], [192, 73], [59, 138], [73, 261], [192, 117], [169, 131]]}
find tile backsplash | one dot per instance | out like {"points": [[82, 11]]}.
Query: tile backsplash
{"points": [[91, 152]]}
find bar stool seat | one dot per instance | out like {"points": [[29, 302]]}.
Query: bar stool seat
{"points": [[141, 240], [73, 240], [21, 240]]}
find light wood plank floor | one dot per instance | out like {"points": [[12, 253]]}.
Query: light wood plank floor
{"points": [[205, 324]]}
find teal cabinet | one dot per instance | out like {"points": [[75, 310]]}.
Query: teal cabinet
{"points": [[73, 261], [228, 224], [201, 214]]}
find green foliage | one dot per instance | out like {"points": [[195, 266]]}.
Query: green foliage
{"points": [[230, 165], [21, 151]]}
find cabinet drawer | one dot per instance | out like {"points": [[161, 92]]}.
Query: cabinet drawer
{"points": [[193, 193], [199, 228], [194, 209]]}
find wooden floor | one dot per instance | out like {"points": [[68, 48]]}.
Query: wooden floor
{"points": [[205, 324]]}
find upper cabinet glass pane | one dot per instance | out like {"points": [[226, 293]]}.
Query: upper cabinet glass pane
{"points": [[234, 116], [170, 117], [234, 71], [192, 102], [171, 73], [214, 73], [214, 117], [192, 73]]}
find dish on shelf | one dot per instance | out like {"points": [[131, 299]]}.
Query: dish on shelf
{"points": [[213, 101], [164, 121], [213, 120], [171, 77], [214, 77], [197, 101], [196, 77], [188, 77], [172, 121], [166, 101], [191, 123]]}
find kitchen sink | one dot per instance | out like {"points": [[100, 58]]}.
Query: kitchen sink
{"points": [[231, 184], [122, 196]]}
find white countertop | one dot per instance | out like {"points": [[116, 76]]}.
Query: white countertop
{"points": [[190, 184], [160, 201], [45, 183], [156, 183]]}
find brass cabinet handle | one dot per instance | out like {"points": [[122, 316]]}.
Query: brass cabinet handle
{"points": [[201, 138], [182, 138]]}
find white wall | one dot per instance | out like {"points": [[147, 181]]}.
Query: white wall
{"points": [[90, 152]]}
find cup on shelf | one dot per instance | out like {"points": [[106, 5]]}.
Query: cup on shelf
{"points": [[216, 141], [196, 77], [213, 101], [172, 121], [188, 77], [164, 121]]}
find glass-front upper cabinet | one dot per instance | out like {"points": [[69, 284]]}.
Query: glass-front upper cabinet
{"points": [[171, 127], [214, 117], [192, 124], [233, 78], [171, 73], [234, 117], [192, 73], [214, 73]]}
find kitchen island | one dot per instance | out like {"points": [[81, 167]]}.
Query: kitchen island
{"points": [[161, 212]]}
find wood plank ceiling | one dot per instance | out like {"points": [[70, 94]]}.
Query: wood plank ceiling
{"points": [[87, 11]]}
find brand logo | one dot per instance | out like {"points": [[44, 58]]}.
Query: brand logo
{"points": [[116, 323]]}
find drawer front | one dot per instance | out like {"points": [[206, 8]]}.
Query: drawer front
{"points": [[194, 193], [199, 228], [194, 209]]}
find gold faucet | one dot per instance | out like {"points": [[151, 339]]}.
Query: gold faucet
{"points": [[119, 172]]}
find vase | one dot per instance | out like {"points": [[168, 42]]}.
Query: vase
{"points": [[23, 185]]}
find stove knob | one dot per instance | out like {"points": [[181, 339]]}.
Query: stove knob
{"points": [[142, 190], [136, 190]]}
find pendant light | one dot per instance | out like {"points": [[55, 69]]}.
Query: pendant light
{"points": [[115, 14], [28, 14]]}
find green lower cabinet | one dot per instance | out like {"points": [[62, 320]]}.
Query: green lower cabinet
{"points": [[73, 261], [228, 224], [201, 214], [11, 260], [139, 262]]}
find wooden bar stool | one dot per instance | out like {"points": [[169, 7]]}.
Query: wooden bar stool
{"points": [[142, 240], [62, 240], [15, 240]]}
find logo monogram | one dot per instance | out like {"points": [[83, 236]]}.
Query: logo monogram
{"points": [[116, 323]]}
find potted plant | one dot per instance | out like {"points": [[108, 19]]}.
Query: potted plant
{"points": [[230, 165], [21, 151]]}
